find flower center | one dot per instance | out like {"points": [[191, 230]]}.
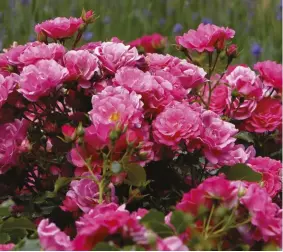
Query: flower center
{"points": [[114, 117]]}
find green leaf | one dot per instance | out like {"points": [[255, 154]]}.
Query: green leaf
{"points": [[241, 172], [160, 228], [5, 208], [4, 237], [17, 234], [136, 174], [61, 182], [4, 211], [17, 223], [104, 246], [132, 248], [246, 136], [181, 221], [153, 215], [28, 245]]}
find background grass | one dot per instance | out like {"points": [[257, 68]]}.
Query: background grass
{"points": [[257, 22]]}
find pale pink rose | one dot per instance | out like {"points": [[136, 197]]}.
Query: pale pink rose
{"points": [[177, 122], [34, 52], [11, 137], [81, 65], [7, 247], [7, 86], [84, 193], [271, 73], [115, 55], [14, 53], [207, 37], [217, 136], [4, 65], [240, 110], [59, 27], [89, 46], [38, 80], [271, 170], [158, 61], [266, 117], [51, 238], [172, 243], [245, 82], [116, 106]]}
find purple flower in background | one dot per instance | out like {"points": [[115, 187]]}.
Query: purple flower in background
{"points": [[256, 49], [106, 20], [32, 38], [25, 2], [87, 36], [177, 28], [279, 11], [206, 21], [162, 21]]}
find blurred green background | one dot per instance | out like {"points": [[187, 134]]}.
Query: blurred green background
{"points": [[257, 23]]}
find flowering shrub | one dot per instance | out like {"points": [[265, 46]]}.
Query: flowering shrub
{"points": [[106, 147]]}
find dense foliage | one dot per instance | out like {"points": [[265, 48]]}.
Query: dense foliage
{"points": [[110, 146]]}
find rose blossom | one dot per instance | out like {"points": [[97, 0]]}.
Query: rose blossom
{"points": [[266, 117], [39, 79], [81, 65], [7, 86], [270, 170], [115, 55], [51, 238], [240, 110], [116, 106], [11, 137], [59, 27], [177, 122], [84, 193], [172, 243], [245, 82], [271, 73], [207, 37], [34, 52], [7, 247], [217, 136]]}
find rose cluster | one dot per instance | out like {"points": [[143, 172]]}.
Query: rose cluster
{"points": [[84, 127]]}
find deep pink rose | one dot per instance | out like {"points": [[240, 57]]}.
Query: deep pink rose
{"points": [[266, 117], [207, 37], [51, 238], [115, 55], [150, 43], [177, 122], [38, 80], [89, 46], [81, 65], [59, 27], [11, 137], [271, 171], [240, 110], [7, 86], [7, 247], [245, 82], [34, 52], [271, 73]]}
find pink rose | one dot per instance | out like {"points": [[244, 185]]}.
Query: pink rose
{"points": [[244, 80], [38, 80], [177, 122], [240, 110], [84, 193], [11, 137], [59, 27], [271, 170], [81, 65], [7, 247], [150, 43], [4, 65], [7, 86], [158, 61], [266, 117], [34, 52], [207, 37], [172, 243], [116, 106], [217, 136], [89, 46], [51, 238], [271, 73], [115, 55]]}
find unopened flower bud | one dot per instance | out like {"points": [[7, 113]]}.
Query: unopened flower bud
{"points": [[116, 167], [232, 51], [80, 130]]}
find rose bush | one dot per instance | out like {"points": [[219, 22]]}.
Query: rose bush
{"points": [[116, 146]]}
